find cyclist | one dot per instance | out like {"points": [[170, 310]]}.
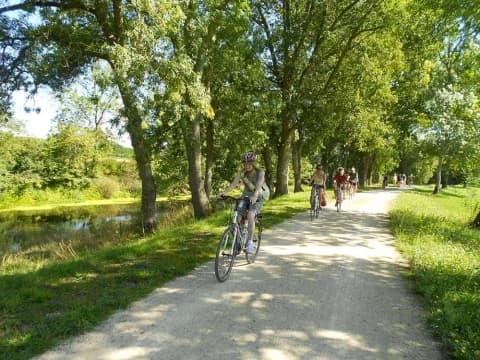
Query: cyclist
{"points": [[253, 179], [353, 180], [340, 180], [385, 181], [318, 180]]}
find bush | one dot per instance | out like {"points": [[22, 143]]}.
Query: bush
{"points": [[107, 187], [131, 185]]}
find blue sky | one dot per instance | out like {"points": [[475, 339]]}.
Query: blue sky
{"points": [[40, 124], [36, 124]]}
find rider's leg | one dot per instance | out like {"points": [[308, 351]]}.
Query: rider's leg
{"points": [[251, 224], [321, 189], [254, 209]]}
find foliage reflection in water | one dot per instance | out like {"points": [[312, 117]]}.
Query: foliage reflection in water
{"points": [[64, 231]]}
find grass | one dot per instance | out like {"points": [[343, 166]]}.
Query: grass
{"points": [[433, 233], [39, 206], [46, 301]]}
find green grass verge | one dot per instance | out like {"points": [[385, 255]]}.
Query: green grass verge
{"points": [[44, 303], [433, 233]]}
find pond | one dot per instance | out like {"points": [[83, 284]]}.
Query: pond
{"points": [[90, 226]]}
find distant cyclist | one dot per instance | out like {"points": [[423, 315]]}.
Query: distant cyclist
{"points": [[353, 180], [253, 179], [339, 180], [385, 181]]}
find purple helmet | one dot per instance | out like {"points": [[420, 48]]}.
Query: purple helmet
{"points": [[249, 156]]}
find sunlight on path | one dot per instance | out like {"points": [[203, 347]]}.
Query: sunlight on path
{"points": [[323, 289]]}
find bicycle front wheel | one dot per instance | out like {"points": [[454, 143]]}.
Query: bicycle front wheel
{"points": [[257, 239], [225, 256]]}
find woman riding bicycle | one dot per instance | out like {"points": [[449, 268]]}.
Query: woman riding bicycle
{"points": [[318, 180], [353, 180], [253, 179]]}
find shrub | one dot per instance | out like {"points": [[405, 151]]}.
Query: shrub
{"points": [[107, 187]]}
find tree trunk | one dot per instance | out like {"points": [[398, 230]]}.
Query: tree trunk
{"points": [[142, 156], [476, 221], [445, 175], [192, 138], [209, 157], [364, 176], [284, 152], [438, 179], [267, 159], [362, 173], [297, 165]]}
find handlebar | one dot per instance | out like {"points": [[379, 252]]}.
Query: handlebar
{"points": [[228, 197]]}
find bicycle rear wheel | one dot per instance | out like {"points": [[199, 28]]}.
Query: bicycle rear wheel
{"points": [[316, 206], [339, 199], [257, 239], [312, 206], [225, 256]]}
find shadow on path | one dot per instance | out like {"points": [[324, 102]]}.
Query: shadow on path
{"points": [[327, 289]]}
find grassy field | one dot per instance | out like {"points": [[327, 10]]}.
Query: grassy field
{"points": [[45, 301], [433, 233]]}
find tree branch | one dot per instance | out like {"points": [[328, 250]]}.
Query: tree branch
{"points": [[28, 4], [268, 33]]}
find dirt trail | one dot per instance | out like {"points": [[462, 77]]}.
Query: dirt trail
{"points": [[327, 289]]}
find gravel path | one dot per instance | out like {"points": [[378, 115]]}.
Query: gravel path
{"points": [[327, 289]]}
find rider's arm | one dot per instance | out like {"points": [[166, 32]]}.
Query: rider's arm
{"points": [[232, 185]]}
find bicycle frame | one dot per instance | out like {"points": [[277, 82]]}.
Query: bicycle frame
{"points": [[315, 206], [234, 239], [339, 195], [238, 223], [314, 192]]}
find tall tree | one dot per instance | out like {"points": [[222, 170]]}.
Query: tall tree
{"points": [[305, 40], [71, 34], [192, 46], [453, 123], [91, 101], [211, 43]]}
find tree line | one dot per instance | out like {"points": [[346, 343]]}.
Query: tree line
{"points": [[382, 85], [72, 159]]}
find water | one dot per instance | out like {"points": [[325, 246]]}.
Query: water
{"points": [[23, 231]]}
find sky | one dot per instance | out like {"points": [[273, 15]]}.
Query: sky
{"points": [[36, 124], [40, 124]]}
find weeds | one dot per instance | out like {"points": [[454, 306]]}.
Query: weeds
{"points": [[433, 233]]}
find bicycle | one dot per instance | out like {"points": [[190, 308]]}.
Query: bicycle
{"points": [[234, 239], [352, 190], [384, 183], [314, 202], [339, 197]]}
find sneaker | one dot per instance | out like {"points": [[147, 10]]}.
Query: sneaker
{"points": [[250, 248]]}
